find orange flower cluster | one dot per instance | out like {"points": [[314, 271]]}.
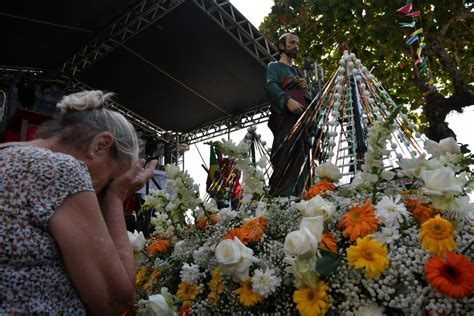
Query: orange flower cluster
{"points": [[319, 189], [453, 275], [251, 230], [328, 242], [202, 221], [359, 221], [422, 212], [158, 246]]}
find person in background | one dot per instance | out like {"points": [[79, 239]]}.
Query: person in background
{"points": [[285, 90], [64, 248]]}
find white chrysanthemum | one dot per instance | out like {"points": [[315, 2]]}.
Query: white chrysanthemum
{"points": [[265, 283], [390, 212], [370, 310], [190, 273], [461, 211], [387, 235]]}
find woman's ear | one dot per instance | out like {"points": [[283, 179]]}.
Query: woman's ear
{"points": [[103, 142]]}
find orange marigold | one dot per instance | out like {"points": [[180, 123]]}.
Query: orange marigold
{"points": [[453, 275], [203, 220], [254, 229], [236, 232], [158, 246], [422, 212], [359, 221], [251, 230], [319, 188], [328, 242]]}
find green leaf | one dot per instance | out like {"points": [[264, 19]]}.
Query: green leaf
{"points": [[326, 265]]}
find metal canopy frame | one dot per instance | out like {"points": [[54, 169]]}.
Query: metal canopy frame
{"points": [[222, 127], [144, 14], [240, 29], [138, 18]]}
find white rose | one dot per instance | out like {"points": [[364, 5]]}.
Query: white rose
{"points": [[137, 240], [317, 206], [235, 258], [227, 252], [159, 306], [158, 303], [442, 180], [329, 171], [314, 225], [300, 243], [432, 148], [449, 145]]}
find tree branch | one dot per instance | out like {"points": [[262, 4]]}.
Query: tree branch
{"points": [[461, 15], [437, 47], [436, 110]]}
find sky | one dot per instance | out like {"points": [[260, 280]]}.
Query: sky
{"points": [[255, 11]]}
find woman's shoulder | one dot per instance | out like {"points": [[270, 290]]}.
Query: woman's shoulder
{"points": [[39, 157]]}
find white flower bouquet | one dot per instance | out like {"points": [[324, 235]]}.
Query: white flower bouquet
{"points": [[373, 247]]}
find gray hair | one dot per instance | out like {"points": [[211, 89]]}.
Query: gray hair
{"points": [[83, 116]]}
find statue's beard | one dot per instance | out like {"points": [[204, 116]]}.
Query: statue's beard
{"points": [[292, 53]]}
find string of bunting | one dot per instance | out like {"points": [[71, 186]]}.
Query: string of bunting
{"points": [[416, 36]]}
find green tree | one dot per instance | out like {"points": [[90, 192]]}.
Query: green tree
{"points": [[372, 31]]}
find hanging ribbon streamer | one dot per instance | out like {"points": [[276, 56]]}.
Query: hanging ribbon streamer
{"points": [[421, 59], [417, 32], [413, 14], [412, 39], [412, 24], [406, 8]]}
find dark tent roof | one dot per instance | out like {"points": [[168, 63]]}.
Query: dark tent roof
{"points": [[191, 64]]}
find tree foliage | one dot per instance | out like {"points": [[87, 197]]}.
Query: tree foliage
{"points": [[372, 31]]}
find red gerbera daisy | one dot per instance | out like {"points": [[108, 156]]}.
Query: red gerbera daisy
{"points": [[453, 275]]}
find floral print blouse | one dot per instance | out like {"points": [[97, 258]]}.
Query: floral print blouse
{"points": [[33, 183]]}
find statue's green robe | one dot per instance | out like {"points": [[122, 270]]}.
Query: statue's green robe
{"points": [[288, 159]]}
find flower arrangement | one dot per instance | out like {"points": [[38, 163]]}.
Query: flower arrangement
{"points": [[373, 247]]}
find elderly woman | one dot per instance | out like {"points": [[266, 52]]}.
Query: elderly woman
{"points": [[63, 243]]}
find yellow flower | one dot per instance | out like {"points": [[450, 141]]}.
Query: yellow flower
{"points": [[153, 276], [437, 236], [187, 291], [247, 297], [312, 302], [216, 286], [368, 254], [141, 275]]}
